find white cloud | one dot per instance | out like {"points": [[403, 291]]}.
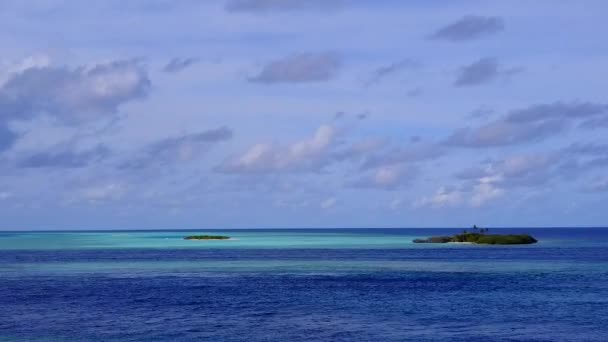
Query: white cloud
{"points": [[389, 176], [177, 149], [517, 170], [469, 27], [305, 67], [178, 64], [527, 125], [523, 165], [305, 155], [483, 192], [482, 71], [11, 68], [73, 95]]}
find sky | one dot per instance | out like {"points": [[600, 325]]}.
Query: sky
{"points": [[173, 114]]}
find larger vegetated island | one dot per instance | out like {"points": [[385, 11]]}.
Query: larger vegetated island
{"points": [[480, 236]]}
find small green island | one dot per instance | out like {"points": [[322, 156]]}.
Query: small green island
{"points": [[207, 237], [480, 236]]}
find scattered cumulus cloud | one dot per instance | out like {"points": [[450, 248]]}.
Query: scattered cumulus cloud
{"points": [[73, 95], [469, 27], [387, 177], [385, 71], [300, 68], [177, 149], [538, 169], [484, 70], [178, 64], [305, 155], [339, 115], [472, 172], [558, 110], [10, 68], [502, 133], [359, 150], [531, 124], [533, 169], [362, 116], [579, 158], [390, 167], [524, 165], [64, 156], [485, 190]]}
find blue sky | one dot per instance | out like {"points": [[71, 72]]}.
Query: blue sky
{"points": [[286, 113]]}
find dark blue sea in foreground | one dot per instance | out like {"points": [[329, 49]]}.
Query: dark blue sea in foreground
{"points": [[302, 285]]}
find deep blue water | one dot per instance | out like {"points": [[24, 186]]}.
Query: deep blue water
{"points": [[263, 290]]}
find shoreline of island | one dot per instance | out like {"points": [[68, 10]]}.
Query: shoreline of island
{"points": [[479, 236]]}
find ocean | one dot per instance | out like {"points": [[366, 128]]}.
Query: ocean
{"points": [[302, 285]]}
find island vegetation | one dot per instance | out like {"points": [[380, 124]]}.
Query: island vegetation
{"points": [[480, 236], [207, 237]]}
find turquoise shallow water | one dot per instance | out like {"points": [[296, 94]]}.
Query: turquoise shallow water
{"points": [[174, 239], [302, 285], [296, 238]]}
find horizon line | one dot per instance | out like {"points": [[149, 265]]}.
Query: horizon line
{"points": [[284, 228]]}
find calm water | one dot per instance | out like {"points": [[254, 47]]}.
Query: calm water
{"points": [[302, 285]]}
